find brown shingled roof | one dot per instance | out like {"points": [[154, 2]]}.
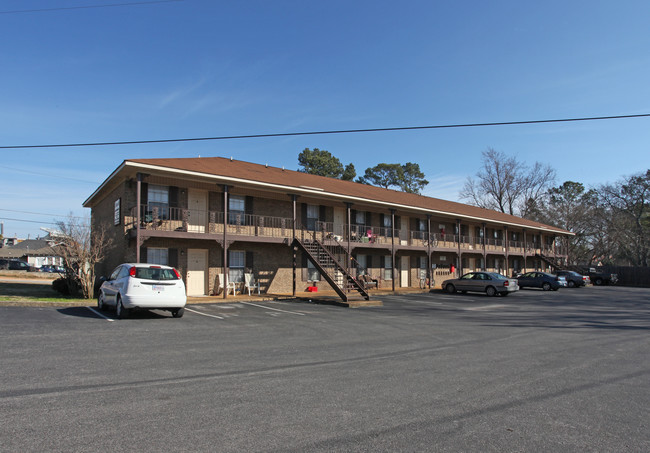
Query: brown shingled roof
{"points": [[219, 166]]}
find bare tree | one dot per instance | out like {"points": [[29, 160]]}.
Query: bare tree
{"points": [[81, 248], [507, 185], [627, 208]]}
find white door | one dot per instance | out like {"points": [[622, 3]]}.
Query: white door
{"points": [[197, 270], [404, 271], [197, 201], [339, 221]]}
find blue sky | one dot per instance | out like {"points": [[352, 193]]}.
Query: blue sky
{"points": [[198, 68]]}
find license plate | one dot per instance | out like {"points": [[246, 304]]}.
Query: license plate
{"points": [[158, 287]]}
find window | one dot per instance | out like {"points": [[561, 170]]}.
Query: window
{"points": [[423, 267], [363, 264], [236, 210], [237, 261], [388, 221], [360, 218], [388, 267], [422, 225], [312, 273], [312, 216], [157, 256], [158, 197]]}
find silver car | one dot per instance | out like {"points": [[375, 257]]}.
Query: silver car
{"points": [[490, 283]]}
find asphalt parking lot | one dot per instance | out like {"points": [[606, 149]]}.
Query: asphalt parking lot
{"points": [[536, 371]]}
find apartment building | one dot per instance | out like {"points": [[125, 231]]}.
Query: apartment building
{"points": [[217, 219]]}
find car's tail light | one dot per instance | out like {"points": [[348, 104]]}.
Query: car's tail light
{"points": [[506, 283], [178, 276], [132, 272]]}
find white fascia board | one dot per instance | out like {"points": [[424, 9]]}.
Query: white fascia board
{"points": [[320, 193]]}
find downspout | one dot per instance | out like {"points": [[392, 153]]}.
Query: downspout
{"points": [[460, 257], [484, 248]]}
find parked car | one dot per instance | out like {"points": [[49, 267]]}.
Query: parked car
{"points": [[15, 265], [143, 286], [489, 283], [573, 279], [542, 280], [51, 268], [598, 277]]}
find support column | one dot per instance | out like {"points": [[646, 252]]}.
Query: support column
{"points": [[429, 274], [525, 248], [484, 248], [138, 200], [392, 244], [294, 249], [225, 241], [349, 233], [507, 247], [459, 268]]}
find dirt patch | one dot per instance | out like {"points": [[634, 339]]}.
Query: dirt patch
{"points": [[31, 292]]}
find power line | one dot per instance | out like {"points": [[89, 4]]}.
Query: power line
{"points": [[29, 221], [348, 131], [108, 5], [49, 175], [42, 213]]}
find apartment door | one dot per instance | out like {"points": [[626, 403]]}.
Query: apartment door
{"points": [[197, 270], [339, 222], [404, 271], [197, 215]]}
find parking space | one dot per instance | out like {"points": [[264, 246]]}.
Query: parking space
{"points": [[564, 370]]}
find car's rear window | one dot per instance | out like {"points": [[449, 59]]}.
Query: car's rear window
{"points": [[155, 273]]}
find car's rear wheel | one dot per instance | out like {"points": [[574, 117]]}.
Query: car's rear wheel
{"points": [[598, 281], [546, 286], [491, 291], [571, 284], [100, 301], [120, 311], [178, 312], [451, 289]]}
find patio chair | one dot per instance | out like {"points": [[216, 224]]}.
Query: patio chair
{"points": [[231, 285], [250, 283], [369, 282]]}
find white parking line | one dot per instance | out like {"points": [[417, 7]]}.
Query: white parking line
{"points": [[99, 314], [203, 314], [275, 309]]}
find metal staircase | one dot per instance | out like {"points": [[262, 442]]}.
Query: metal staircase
{"points": [[556, 265], [324, 258]]}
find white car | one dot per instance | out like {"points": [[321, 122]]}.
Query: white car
{"points": [[148, 286]]}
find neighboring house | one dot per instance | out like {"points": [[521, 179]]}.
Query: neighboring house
{"points": [[36, 252], [9, 242], [213, 216]]}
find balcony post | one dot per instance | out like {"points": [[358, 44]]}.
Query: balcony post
{"points": [[294, 198], [507, 246], [138, 200], [484, 248], [349, 221], [525, 250], [429, 273], [225, 243], [459, 270], [392, 245]]}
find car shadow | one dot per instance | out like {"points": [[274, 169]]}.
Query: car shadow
{"points": [[83, 312]]}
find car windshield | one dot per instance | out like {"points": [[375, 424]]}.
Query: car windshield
{"points": [[155, 273]]}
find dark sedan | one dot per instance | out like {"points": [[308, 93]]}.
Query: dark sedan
{"points": [[541, 280], [573, 279]]}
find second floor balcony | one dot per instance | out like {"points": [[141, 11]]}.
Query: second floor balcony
{"points": [[154, 219]]}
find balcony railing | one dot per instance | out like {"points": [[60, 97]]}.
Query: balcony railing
{"points": [[212, 222]]}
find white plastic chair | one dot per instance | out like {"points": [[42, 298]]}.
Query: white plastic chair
{"points": [[231, 285], [250, 283]]}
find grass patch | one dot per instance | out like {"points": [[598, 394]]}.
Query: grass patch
{"points": [[34, 292]]}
